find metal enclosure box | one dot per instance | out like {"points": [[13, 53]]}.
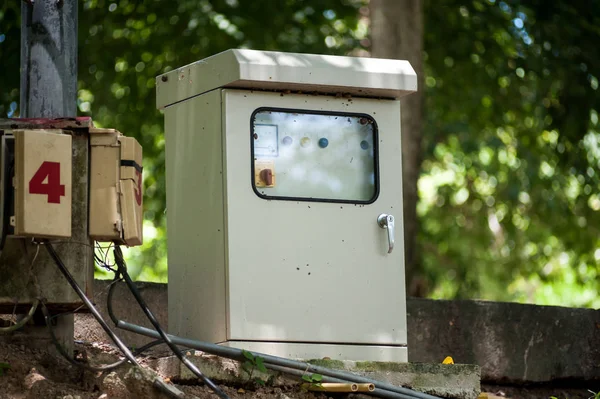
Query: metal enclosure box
{"points": [[282, 170], [42, 183], [116, 203], [44, 194]]}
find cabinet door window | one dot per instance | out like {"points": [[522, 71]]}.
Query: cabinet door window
{"points": [[314, 156]]}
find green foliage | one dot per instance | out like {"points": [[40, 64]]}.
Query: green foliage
{"points": [[314, 380], [124, 45], [509, 201], [254, 363]]}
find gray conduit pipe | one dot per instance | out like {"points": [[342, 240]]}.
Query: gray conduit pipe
{"points": [[236, 354], [381, 393]]}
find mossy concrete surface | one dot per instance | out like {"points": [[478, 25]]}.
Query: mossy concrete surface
{"points": [[443, 380], [218, 369]]}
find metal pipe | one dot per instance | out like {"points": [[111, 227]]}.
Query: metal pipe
{"points": [[339, 387], [122, 269], [381, 393], [331, 387], [236, 354], [365, 387]]}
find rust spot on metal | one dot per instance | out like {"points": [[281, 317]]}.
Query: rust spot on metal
{"points": [[46, 123]]}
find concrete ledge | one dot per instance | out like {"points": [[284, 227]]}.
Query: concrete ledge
{"points": [[444, 380], [458, 381], [510, 342]]}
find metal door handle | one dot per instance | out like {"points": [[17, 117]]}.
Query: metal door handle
{"points": [[386, 221]]}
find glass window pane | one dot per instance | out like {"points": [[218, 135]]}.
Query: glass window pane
{"points": [[306, 155]]}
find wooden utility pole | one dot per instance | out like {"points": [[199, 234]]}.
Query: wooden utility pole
{"points": [[49, 90]]}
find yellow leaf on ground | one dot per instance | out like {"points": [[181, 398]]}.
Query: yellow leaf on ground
{"points": [[448, 360]]}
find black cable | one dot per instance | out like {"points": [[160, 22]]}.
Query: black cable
{"points": [[89, 367], [383, 389], [109, 301], [63, 269], [23, 321], [122, 268], [103, 262]]}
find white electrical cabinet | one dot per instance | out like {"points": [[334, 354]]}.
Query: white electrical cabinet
{"points": [[284, 203]]}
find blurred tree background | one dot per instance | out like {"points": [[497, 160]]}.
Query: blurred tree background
{"points": [[509, 198]]}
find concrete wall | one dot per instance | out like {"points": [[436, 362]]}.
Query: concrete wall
{"points": [[512, 343], [125, 308]]}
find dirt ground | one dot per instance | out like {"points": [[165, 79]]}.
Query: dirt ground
{"points": [[34, 374]]}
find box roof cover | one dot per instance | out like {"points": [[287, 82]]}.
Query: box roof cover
{"points": [[270, 70]]}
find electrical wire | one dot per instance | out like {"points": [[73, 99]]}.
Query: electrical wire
{"points": [[23, 321], [128, 355], [103, 262], [98, 260], [122, 270], [89, 367], [382, 389], [236, 354], [77, 309], [109, 301]]}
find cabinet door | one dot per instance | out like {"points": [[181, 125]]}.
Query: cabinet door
{"points": [[309, 255]]}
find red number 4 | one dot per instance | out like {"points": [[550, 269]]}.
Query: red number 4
{"points": [[52, 188]]}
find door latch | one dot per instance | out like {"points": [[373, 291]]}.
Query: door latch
{"points": [[386, 221]]}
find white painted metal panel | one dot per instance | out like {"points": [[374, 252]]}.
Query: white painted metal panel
{"points": [[254, 69], [307, 271], [195, 230], [290, 350]]}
